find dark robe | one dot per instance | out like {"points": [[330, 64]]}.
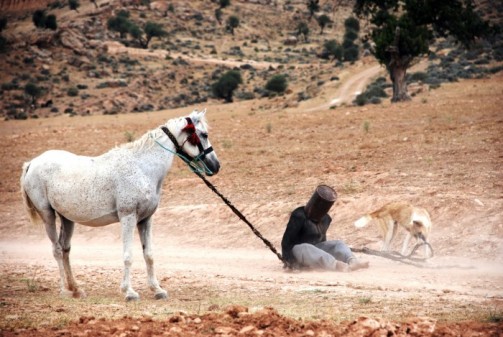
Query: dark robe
{"points": [[302, 230]]}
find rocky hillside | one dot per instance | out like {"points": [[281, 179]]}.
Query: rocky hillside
{"points": [[84, 68], [81, 67]]}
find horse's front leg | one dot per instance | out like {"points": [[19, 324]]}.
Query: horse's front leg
{"points": [[128, 223], [145, 231]]}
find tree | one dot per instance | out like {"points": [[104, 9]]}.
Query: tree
{"points": [[402, 31], [225, 86], [313, 6], [218, 15], [136, 33], [120, 23], [232, 23], [74, 5], [277, 83], [323, 20], [152, 30], [303, 29], [32, 90]]}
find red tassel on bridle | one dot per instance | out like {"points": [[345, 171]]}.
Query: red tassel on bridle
{"points": [[193, 138]]}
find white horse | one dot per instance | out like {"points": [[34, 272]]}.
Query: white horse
{"points": [[122, 185]]}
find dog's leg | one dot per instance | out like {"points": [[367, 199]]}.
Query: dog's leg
{"points": [[389, 233], [406, 243]]}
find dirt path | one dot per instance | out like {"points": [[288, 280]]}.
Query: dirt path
{"points": [[114, 47], [351, 87]]}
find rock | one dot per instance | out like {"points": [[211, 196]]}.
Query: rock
{"points": [[40, 53], [291, 41], [69, 39]]}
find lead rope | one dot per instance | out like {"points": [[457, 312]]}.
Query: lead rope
{"points": [[395, 256], [242, 217]]}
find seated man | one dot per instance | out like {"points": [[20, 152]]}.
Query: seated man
{"points": [[305, 242]]}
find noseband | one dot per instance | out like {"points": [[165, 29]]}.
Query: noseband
{"points": [[192, 138]]}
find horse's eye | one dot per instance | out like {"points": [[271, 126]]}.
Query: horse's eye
{"points": [[204, 135]]}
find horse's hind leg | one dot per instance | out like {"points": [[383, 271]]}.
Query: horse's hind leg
{"points": [[65, 237], [49, 217], [145, 231]]}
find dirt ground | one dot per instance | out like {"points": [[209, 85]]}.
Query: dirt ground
{"points": [[442, 151]]}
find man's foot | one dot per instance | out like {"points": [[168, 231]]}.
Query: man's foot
{"points": [[341, 266], [355, 264]]}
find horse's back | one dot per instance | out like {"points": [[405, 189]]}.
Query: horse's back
{"points": [[74, 186]]}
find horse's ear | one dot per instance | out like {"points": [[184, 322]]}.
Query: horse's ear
{"points": [[196, 115]]}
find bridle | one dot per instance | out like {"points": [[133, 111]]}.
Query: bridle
{"points": [[192, 138]]}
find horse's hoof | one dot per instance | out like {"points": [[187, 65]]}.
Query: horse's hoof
{"points": [[132, 297], [161, 296], [79, 294], [66, 293]]}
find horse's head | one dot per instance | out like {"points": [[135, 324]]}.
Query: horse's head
{"points": [[194, 143]]}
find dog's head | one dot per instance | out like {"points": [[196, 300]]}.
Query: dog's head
{"points": [[419, 231]]}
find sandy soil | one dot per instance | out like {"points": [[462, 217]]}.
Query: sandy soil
{"points": [[442, 151]]}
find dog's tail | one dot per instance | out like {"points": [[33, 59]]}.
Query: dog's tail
{"points": [[363, 221]]}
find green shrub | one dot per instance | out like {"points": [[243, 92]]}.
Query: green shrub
{"points": [[225, 85], [352, 23], [278, 84], [375, 91], [350, 35], [351, 54], [50, 22], [232, 23], [3, 44], [3, 23], [9, 86], [224, 3], [72, 92], [32, 90], [332, 49], [74, 5], [419, 76], [361, 100], [39, 18]]}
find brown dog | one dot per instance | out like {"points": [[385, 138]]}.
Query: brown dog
{"points": [[415, 220]]}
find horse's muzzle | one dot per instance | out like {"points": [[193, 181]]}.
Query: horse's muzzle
{"points": [[212, 165]]}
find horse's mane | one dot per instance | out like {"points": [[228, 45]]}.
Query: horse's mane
{"points": [[146, 141]]}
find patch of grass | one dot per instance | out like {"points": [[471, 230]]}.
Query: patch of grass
{"points": [[268, 127], [365, 300], [352, 187], [31, 284], [366, 126], [130, 136], [494, 317], [226, 144]]}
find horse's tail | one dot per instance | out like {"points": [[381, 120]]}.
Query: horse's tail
{"points": [[28, 204]]}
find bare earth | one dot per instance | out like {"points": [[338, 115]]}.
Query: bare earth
{"points": [[442, 151]]}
